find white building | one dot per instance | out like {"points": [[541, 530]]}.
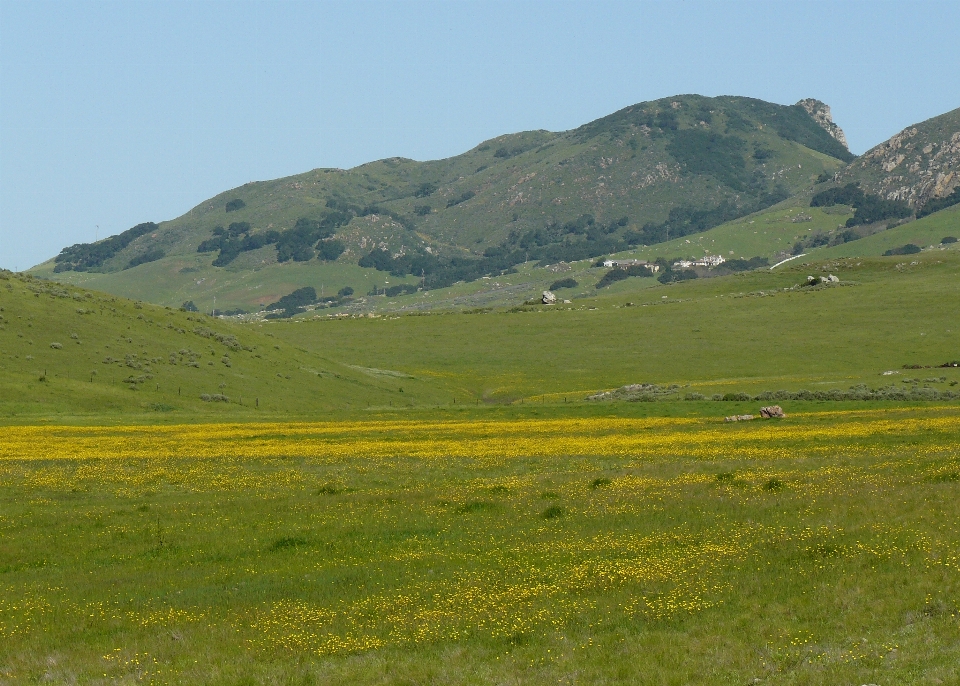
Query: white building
{"points": [[632, 263]]}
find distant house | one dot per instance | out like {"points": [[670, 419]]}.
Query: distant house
{"points": [[705, 261], [623, 264]]}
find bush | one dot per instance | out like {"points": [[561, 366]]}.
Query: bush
{"points": [[908, 249], [869, 208], [425, 190], [938, 204], [621, 273], [235, 204], [564, 283], [189, 307], [553, 512], [422, 210], [703, 152], [294, 302], [214, 398], [330, 249], [345, 292], [149, 256], [599, 482], [463, 197], [85, 256], [948, 239]]}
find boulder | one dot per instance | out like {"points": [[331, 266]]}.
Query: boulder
{"points": [[833, 279], [772, 411], [549, 298], [739, 418]]}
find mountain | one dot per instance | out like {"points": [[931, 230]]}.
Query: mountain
{"points": [[919, 165], [647, 174]]}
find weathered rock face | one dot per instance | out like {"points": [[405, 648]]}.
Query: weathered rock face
{"points": [[920, 163], [549, 298], [820, 112]]}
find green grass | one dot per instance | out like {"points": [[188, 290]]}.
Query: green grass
{"points": [[741, 333], [170, 355], [737, 333], [820, 549], [924, 233]]}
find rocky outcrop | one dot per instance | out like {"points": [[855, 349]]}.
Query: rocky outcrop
{"points": [[820, 112], [917, 165]]}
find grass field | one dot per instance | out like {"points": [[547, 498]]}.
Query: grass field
{"points": [[574, 546]]}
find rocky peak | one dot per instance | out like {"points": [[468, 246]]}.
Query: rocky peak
{"points": [[820, 112], [919, 164]]}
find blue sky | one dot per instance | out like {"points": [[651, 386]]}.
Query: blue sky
{"points": [[113, 114]]}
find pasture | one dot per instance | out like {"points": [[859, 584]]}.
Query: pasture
{"points": [[514, 545]]}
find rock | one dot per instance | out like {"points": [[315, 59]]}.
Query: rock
{"points": [[833, 279], [821, 114], [824, 279], [739, 418], [549, 298], [772, 411], [810, 280]]}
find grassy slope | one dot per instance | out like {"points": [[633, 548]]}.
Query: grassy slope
{"points": [[737, 333], [725, 333], [925, 233], [37, 314], [609, 168]]}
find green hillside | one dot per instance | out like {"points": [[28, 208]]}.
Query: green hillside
{"points": [[641, 176], [750, 332], [67, 351], [926, 233]]}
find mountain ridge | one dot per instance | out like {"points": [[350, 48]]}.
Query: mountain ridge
{"points": [[645, 174]]}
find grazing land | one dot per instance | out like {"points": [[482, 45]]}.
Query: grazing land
{"points": [[428, 497], [589, 544]]}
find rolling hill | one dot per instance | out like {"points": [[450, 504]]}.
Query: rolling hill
{"points": [[641, 176], [750, 332]]}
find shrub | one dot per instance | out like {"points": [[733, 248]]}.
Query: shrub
{"points": [[908, 249], [737, 397], [188, 306], [330, 249], [56, 346], [235, 204], [948, 239], [85, 256], [422, 210], [553, 512], [345, 292], [463, 197], [773, 485], [425, 190], [293, 302], [288, 542], [601, 481], [149, 256], [938, 204], [564, 283]]}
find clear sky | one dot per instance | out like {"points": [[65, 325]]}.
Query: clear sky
{"points": [[115, 113]]}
